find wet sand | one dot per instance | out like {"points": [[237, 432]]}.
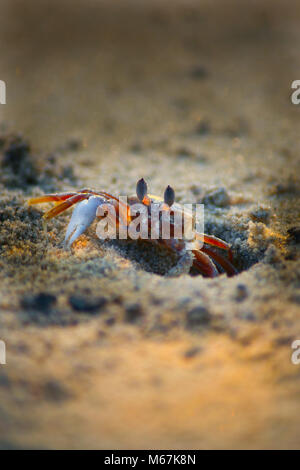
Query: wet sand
{"points": [[103, 349]]}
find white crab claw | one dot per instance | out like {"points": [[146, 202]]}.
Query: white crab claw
{"points": [[82, 217]]}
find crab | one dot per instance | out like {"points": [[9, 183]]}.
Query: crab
{"points": [[90, 204]]}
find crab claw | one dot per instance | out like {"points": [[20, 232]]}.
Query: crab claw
{"points": [[82, 217]]}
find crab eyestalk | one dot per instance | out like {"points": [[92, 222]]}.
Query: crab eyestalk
{"points": [[141, 189], [169, 196]]}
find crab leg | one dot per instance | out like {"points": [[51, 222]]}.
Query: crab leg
{"points": [[204, 264], [214, 241], [123, 213], [59, 208], [50, 198], [72, 198], [58, 197], [223, 262]]}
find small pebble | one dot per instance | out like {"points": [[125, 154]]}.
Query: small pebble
{"points": [[261, 214], [283, 341], [133, 313], [295, 298], [241, 293], [248, 316], [136, 147], [74, 144], [217, 197], [203, 128], [4, 381], [197, 316], [110, 321], [184, 152], [84, 304], [192, 352], [156, 300], [198, 72], [294, 234], [56, 392], [41, 302]]}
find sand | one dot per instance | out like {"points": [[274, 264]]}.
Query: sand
{"points": [[104, 350]]}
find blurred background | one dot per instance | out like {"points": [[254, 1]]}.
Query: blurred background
{"points": [[96, 68], [191, 93]]}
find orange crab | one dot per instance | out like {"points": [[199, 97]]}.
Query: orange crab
{"points": [[205, 260]]}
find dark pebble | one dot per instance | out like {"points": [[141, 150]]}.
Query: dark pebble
{"points": [[110, 321], [4, 381], [83, 304], [203, 128], [74, 145], [290, 256], [294, 234], [184, 153], [133, 313], [17, 150], [68, 173], [118, 299], [197, 316], [41, 302], [136, 147], [198, 72], [18, 164], [54, 391], [295, 298], [249, 316], [237, 129], [156, 300], [284, 341], [217, 197], [241, 293], [192, 352]]}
